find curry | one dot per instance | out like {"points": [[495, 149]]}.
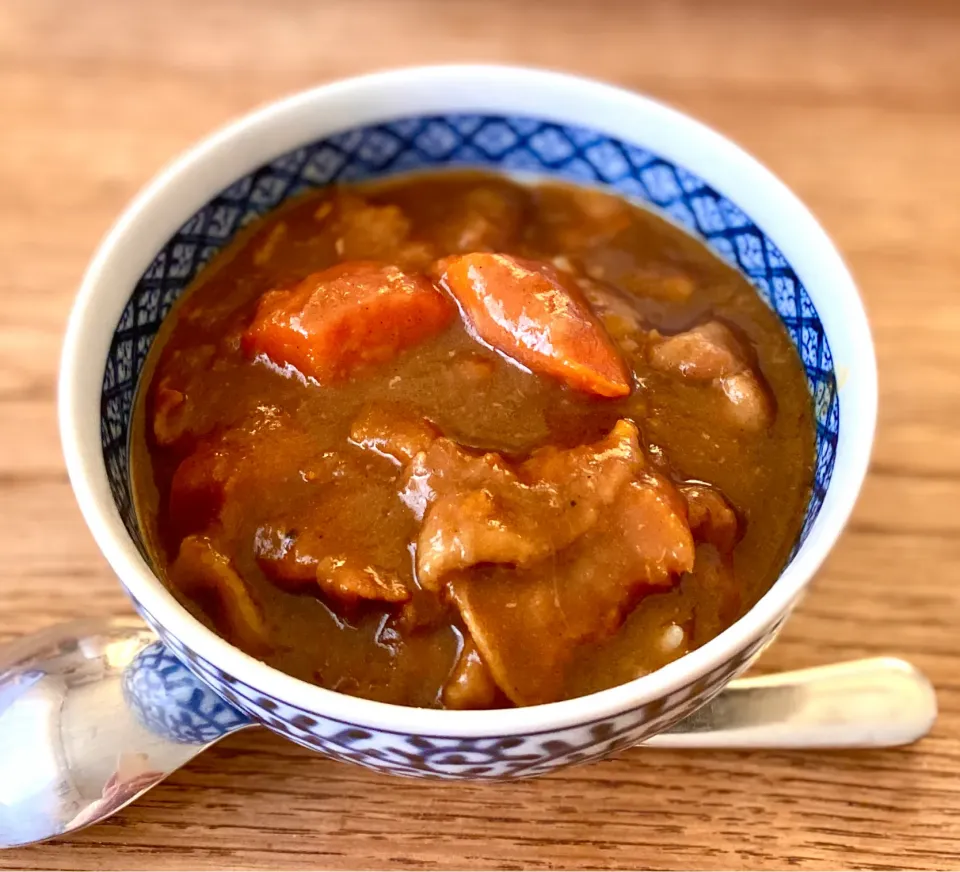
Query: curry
{"points": [[456, 441]]}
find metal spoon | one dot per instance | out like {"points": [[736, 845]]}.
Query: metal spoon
{"points": [[83, 731]]}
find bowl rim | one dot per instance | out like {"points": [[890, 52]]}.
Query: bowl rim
{"points": [[231, 152]]}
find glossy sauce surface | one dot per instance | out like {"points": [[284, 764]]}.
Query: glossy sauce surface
{"points": [[734, 423]]}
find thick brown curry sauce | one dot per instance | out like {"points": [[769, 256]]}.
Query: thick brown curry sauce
{"points": [[277, 518]]}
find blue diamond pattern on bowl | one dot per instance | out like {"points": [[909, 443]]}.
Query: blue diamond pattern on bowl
{"points": [[171, 703], [494, 142]]}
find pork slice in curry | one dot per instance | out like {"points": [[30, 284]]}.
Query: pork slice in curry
{"points": [[456, 441]]}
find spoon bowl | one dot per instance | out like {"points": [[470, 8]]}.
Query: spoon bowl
{"points": [[92, 715]]}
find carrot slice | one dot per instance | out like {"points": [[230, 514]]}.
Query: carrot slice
{"points": [[350, 315], [526, 310]]}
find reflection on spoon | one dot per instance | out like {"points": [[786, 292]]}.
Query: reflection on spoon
{"points": [[133, 777]]}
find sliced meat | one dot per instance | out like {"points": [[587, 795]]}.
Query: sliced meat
{"points": [[351, 315], [262, 448], [421, 613], [712, 353], [393, 432], [631, 273], [529, 312], [446, 467], [619, 316], [199, 486], [462, 530], [305, 562], [366, 231], [704, 353], [480, 510], [751, 406], [470, 686], [590, 473], [169, 413], [721, 601], [488, 220], [370, 232], [173, 420], [348, 580], [712, 518], [470, 367], [288, 557], [549, 553], [641, 543], [662, 285], [583, 219], [205, 575]]}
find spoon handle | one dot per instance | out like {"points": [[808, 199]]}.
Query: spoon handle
{"points": [[876, 703]]}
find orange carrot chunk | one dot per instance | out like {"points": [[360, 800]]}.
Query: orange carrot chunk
{"points": [[528, 311], [345, 317]]}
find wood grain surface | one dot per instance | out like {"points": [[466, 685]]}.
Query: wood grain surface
{"points": [[855, 105]]}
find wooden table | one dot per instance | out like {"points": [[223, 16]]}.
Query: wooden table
{"points": [[855, 105]]}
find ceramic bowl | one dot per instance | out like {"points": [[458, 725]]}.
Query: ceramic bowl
{"points": [[513, 120]]}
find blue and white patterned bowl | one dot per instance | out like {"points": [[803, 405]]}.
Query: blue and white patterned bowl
{"points": [[496, 117]]}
